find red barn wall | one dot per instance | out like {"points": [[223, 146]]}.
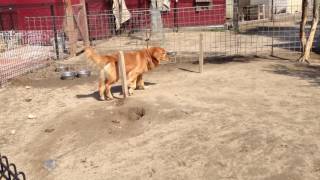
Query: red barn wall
{"points": [[20, 9], [185, 16]]}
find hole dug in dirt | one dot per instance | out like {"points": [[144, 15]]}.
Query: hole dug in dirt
{"points": [[136, 113], [93, 124], [128, 114]]}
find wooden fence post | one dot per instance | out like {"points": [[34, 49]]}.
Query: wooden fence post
{"points": [[122, 73], [84, 26], [201, 53], [70, 29]]}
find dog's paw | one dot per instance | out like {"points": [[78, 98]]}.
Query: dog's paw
{"points": [[130, 92], [140, 88], [110, 98]]}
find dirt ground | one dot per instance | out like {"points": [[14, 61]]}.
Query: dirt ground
{"points": [[242, 119]]}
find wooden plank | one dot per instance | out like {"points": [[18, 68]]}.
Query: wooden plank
{"points": [[201, 53], [122, 73], [84, 28], [70, 29]]}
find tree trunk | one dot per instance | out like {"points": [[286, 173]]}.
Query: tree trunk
{"points": [[304, 18], [306, 54]]}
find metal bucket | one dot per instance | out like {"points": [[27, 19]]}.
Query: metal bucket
{"points": [[84, 73], [68, 75]]}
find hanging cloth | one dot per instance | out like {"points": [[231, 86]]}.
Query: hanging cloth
{"points": [[120, 12]]}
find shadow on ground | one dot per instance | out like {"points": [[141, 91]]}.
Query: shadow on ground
{"points": [[226, 59], [114, 89], [310, 73]]}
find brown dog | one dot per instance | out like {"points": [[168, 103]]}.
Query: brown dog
{"points": [[136, 63]]}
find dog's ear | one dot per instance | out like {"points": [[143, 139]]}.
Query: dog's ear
{"points": [[160, 54], [154, 53]]}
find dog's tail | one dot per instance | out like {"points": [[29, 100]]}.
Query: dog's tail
{"points": [[97, 59]]}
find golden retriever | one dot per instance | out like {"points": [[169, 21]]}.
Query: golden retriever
{"points": [[136, 63]]}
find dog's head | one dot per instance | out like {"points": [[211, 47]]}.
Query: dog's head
{"points": [[159, 54]]}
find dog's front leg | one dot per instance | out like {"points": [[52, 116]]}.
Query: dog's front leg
{"points": [[132, 82], [101, 90], [132, 86]]}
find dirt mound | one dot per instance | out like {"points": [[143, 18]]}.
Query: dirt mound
{"points": [[79, 128]]}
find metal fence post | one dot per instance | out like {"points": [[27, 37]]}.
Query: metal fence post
{"points": [[201, 53], [235, 20], [272, 38], [236, 15]]}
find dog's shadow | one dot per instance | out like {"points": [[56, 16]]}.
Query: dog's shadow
{"points": [[114, 89]]}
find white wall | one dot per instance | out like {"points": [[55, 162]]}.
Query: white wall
{"points": [[291, 6], [294, 6]]}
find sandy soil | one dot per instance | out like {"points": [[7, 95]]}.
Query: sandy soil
{"points": [[243, 118]]}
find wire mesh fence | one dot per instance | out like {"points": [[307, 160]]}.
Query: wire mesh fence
{"points": [[8, 171], [262, 29], [255, 29], [22, 52]]}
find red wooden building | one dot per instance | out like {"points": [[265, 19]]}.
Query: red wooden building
{"points": [[14, 12]]}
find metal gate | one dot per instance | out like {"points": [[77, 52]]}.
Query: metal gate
{"points": [[8, 171]]}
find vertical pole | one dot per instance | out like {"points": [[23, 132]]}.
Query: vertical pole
{"points": [[85, 23], [175, 11], [54, 31], [71, 28], [236, 23], [236, 15], [201, 53], [120, 14], [122, 73], [272, 38], [272, 10], [12, 22], [1, 25]]}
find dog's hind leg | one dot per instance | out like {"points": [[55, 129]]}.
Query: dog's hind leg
{"points": [[101, 90], [109, 79], [140, 82], [108, 90], [102, 86]]}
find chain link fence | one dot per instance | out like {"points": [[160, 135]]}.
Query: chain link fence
{"points": [[22, 52], [228, 30]]}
